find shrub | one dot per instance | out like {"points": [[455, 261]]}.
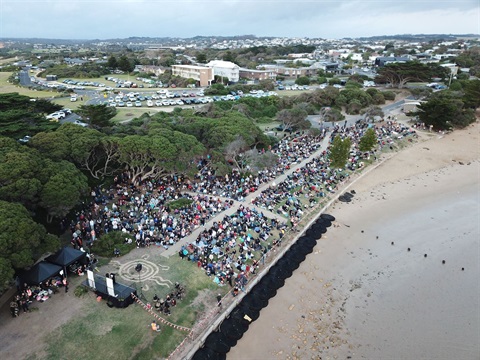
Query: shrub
{"points": [[179, 204], [80, 291], [389, 95], [115, 239]]}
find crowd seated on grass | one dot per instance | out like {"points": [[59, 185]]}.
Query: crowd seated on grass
{"points": [[143, 211], [163, 306], [234, 245], [289, 151], [145, 214], [317, 179]]}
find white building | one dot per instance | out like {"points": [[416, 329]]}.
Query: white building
{"points": [[225, 69]]}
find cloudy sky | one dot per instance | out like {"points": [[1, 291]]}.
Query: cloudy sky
{"points": [[104, 19]]}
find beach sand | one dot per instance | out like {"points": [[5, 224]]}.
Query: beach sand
{"points": [[358, 296]]}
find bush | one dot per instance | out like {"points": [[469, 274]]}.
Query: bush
{"points": [[115, 239], [80, 291], [302, 80], [179, 204], [389, 95]]}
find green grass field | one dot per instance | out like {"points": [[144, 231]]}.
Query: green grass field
{"points": [[101, 329], [6, 87]]}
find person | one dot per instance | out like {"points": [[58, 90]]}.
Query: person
{"points": [[65, 283], [112, 276], [24, 303], [155, 326], [14, 308], [219, 300]]}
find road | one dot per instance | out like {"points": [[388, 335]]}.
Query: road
{"points": [[24, 78]]}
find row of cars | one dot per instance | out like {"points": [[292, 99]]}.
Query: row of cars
{"points": [[166, 102], [137, 100], [293, 87]]}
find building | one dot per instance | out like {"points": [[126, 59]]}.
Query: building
{"points": [[257, 74], [201, 74], [384, 60], [51, 78], [225, 69], [157, 70]]}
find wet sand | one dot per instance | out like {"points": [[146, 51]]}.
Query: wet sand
{"points": [[359, 296]]}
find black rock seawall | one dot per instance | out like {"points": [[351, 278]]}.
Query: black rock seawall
{"points": [[220, 341]]}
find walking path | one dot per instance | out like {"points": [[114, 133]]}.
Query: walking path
{"points": [[174, 249]]}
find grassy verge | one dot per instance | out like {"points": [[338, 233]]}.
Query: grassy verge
{"points": [[6, 87]]}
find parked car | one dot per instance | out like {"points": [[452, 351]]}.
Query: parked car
{"points": [[56, 116], [149, 103], [80, 123], [25, 139], [138, 103], [129, 104]]}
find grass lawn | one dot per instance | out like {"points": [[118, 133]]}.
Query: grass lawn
{"points": [[110, 333], [284, 93], [6, 87], [66, 103], [125, 114]]}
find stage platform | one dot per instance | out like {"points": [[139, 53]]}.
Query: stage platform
{"points": [[123, 293]]}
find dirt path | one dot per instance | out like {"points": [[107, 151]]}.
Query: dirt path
{"points": [[25, 336]]}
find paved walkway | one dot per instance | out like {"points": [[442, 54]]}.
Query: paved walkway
{"points": [[174, 249]]}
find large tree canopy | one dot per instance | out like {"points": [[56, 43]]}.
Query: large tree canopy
{"points": [[146, 156], [20, 115], [28, 177], [398, 74], [97, 116], [22, 240], [63, 190], [445, 110], [293, 118]]}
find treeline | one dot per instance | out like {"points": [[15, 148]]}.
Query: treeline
{"points": [[85, 71], [21, 115], [470, 59], [452, 108]]}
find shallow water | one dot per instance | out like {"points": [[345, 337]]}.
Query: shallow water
{"points": [[419, 308]]}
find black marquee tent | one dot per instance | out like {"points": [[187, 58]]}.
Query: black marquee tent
{"points": [[39, 273], [66, 256]]}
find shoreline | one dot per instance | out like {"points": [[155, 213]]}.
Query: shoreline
{"points": [[345, 299]]}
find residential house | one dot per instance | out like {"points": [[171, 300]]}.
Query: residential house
{"points": [[384, 60]]}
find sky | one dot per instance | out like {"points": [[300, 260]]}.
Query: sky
{"points": [[330, 19]]}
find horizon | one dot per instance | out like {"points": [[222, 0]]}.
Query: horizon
{"points": [[326, 19], [249, 35]]}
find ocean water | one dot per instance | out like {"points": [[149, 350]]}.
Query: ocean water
{"points": [[415, 307]]}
